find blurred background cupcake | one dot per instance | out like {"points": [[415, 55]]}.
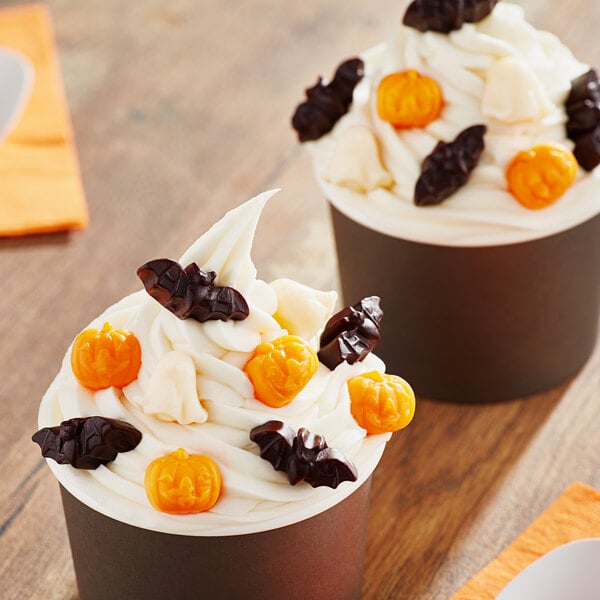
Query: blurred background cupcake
{"points": [[459, 161]]}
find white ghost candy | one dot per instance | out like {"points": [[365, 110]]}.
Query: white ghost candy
{"points": [[356, 163], [172, 394], [513, 93], [302, 310]]}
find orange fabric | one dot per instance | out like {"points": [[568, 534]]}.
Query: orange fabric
{"points": [[574, 515], [40, 184]]}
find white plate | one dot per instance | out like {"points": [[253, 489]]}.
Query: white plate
{"points": [[569, 572], [16, 83]]}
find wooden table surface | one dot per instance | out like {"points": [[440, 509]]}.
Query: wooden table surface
{"points": [[181, 111]]}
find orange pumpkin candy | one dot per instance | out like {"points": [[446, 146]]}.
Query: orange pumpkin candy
{"points": [[408, 99], [105, 357], [540, 176], [279, 370], [381, 403], [183, 484]]}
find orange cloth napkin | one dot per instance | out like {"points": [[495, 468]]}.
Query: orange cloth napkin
{"points": [[574, 515], [40, 184]]}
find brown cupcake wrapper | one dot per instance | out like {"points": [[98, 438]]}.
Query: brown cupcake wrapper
{"points": [[319, 558], [478, 324]]}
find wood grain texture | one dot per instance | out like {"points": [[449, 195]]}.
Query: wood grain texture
{"points": [[181, 110]]}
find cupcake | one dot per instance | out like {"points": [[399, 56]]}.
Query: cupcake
{"points": [[214, 435], [459, 160]]}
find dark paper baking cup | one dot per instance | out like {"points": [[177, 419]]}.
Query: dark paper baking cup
{"points": [[319, 558], [478, 324]]}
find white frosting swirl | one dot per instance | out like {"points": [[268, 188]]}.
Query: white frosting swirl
{"points": [[483, 70], [191, 392]]}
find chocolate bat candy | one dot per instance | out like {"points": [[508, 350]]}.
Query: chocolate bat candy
{"points": [[191, 292], [304, 457], [275, 440], [445, 16], [351, 333], [87, 442], [583, 124], [449, 166], [326, 104], [587, 149], [331, 468], [305, 450], [317, 464]]}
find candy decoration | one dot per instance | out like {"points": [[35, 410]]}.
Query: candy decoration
{"points": [[101, 358], [275, 440], [583, 124], [583, 104], [183, 484], [587, 149], [87, 442], [540, 176], [446, 15], [408, 99], [381, 403], [356, 162], [524, 100], [351, 333], [303, 457], [279, 370], [191, 292], [449, 166], [327, 104]]}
